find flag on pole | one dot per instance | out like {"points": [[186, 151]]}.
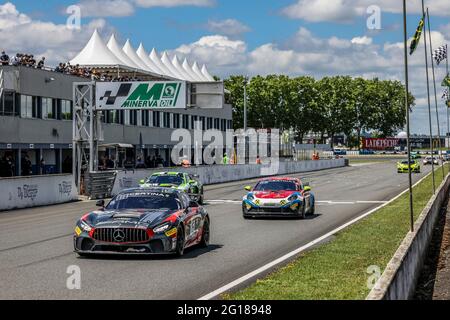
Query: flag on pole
{"points": [[416, 39], [440, 54], [446, 82]]}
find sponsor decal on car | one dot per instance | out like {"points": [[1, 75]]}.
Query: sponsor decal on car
{"points": [[171, 233], [78, 231]]}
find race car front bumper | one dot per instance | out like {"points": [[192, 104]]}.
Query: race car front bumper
{"points": [[158, 244], [276, 210]]}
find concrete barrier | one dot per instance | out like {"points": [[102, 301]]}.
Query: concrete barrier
{"points": [[225, 173], [25, 192], [399, 280]]}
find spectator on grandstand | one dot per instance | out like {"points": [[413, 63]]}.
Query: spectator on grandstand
{"points": [[41, 63], [4, 59]]}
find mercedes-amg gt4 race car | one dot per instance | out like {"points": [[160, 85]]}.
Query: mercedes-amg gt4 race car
{"points": [[178, 180], [279, 197], [143, 221]]}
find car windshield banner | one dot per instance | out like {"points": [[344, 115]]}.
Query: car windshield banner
{"points": [[141, 95]]}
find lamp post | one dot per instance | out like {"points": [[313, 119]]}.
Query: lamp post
{"points": [[245, 103], [408, 130]]}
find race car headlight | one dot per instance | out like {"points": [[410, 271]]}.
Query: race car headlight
{"points": [[162, 228], [293, 198], [250, 197], [85, 226]]}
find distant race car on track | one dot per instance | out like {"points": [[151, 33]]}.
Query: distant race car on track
{"points": [[430, 160], [143, 221], [177, 180], [403, 167], [279, 197]]}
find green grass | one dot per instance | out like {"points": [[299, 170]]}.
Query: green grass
{"points": [[338, 269]]}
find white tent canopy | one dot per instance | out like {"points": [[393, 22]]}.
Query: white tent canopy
{"points": [[143, 55], [97, 54], [119, 53], [131, 53]]}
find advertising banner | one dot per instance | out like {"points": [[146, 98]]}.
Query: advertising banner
{"points": [[380, 143], [141, 95]]}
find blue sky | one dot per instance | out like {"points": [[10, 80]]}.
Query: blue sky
{"points": [[293, 37]]}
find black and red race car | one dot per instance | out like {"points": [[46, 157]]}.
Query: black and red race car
{"points": [[141, 222]]}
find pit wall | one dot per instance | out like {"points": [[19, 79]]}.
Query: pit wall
{"points": [[399, 280], [226, 173], [26, 192]]}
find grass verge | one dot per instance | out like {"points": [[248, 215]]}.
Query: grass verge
{"points": [[338, 270]]}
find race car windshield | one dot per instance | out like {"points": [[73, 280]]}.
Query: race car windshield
{"points": [[144, 201], [276, 186], [406, 162], [175, 180]]}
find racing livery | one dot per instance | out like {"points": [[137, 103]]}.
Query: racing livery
{"points": [[143, 221], [177, 180], [279, 197], [403, 167]]}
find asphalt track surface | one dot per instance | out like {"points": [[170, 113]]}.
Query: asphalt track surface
{"points": [[36, 244]]}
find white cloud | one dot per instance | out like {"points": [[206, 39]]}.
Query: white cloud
{"points": [[174, 3], [125, 8], [228, 27], [344, 11], [106, 8], [362, 40], [19, 33], [10, 17]]}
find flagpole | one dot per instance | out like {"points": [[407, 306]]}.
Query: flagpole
{"points": [[435, 94], [429, 103], [408, 129]]}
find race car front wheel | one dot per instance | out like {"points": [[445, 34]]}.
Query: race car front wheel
{"points": [[180, 242], [302, 212], [204, 243]]}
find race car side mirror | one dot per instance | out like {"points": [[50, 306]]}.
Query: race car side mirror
{"points": [[248, 188], [192, 182], [100, 203], [142, 182], [307, 189]]}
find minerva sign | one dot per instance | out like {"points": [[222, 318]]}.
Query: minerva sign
{"points": [[141, 95]]}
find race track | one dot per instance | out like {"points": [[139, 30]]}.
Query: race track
{"points": [[36, 244]]}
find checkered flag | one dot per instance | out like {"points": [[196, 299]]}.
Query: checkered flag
{"points": [[440, 54], [446, 95]]}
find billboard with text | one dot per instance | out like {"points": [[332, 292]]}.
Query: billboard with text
{"points": [[141, 95]]}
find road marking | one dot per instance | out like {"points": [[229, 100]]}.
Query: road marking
{"points": [[296, 252]]}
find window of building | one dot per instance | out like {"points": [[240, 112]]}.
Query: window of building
{"points": [[185, 121], [176, 121], [157, 119], [230, 124], [209, 123], [133, 118], [223, 125], [66, 110], [194, 122], [203, 121], [145, 114], [48, 108], [166, 120], [27, 107], [217, 124]]}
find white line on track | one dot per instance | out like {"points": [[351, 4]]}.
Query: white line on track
{"points": [[296, 252]]}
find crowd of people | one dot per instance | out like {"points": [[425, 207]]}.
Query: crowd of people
{"points": [[28, 60], [21, 59]]}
